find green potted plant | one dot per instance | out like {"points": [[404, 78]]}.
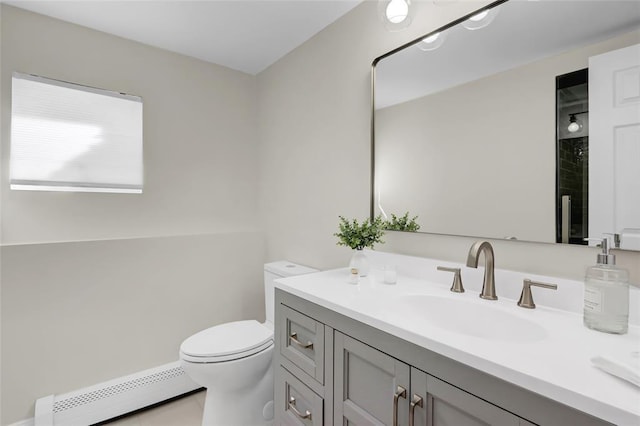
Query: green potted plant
{"points": [[402, 223], [358, 236]]}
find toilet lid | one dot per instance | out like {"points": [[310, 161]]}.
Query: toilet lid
{"points": [[241, 338]]}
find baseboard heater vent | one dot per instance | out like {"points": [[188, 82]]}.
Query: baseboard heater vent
{"points": [[114, 398]]}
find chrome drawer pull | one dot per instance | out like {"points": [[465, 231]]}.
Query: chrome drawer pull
{"points": [[417, 400], [400, 393], [292, 407], [294, 339]]}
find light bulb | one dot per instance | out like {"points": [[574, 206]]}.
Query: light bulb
{"points": [[397, 11], [573, 127]]}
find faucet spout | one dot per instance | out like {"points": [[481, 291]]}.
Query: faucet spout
{"points": [[488, 284]]}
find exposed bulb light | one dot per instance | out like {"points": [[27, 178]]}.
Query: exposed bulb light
{"points": [[395, 14], [481, 19], [574, 126], [397, 11], [431, 42]]}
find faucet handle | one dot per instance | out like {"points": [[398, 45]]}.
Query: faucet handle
{"points": [[526, 298], [456, 287]]}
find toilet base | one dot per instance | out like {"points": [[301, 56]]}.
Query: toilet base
{"points": [[228, 408]]}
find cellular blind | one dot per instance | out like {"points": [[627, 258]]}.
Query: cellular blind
{"points": [[68, 137]]}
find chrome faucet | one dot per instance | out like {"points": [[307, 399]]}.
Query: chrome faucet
{"points": [[488, 284]]}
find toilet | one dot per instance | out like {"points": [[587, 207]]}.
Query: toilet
{"points": [[233, 362]]}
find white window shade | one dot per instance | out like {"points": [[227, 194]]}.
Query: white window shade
{"points": [[67, 137]]}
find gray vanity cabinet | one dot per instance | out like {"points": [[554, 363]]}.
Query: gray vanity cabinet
{"points": [[302, 342], [333, 370], [366, 383], [437, 403], [303, 369], [300, 406], [371, 388]]}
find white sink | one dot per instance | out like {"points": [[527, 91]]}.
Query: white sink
{"points": [[481, 318]]}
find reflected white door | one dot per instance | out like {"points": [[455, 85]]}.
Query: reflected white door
{"points": [[614, 142]]}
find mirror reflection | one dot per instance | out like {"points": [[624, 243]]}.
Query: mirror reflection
{"points": [[520, 122]]}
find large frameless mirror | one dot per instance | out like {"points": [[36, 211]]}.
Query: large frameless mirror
{"points": [[521, 121]]}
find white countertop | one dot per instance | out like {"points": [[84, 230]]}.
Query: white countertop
{"points": [[556, 365]]}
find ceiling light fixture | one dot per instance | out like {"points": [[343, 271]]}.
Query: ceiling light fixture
{"points": [[481, 19], [396, 14], [431, 42], [574, 126]]}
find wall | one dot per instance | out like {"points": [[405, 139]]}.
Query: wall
{"points": [[96, 286], [199, 141], [420, 169], [314, 110]]}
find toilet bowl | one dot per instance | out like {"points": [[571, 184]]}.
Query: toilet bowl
{"points": [[233, 361]]}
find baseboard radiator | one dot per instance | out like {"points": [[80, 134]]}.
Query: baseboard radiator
{"points": [[114, 398]]}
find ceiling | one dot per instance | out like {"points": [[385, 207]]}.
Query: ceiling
{"points": [[245, 35]]}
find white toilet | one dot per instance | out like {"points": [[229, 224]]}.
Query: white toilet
{"points": [[233, 361]]}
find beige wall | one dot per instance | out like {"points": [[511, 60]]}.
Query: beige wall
{"points": [[315, 111], [505, 126], [199, 137], [96, 286], [76, 314]]}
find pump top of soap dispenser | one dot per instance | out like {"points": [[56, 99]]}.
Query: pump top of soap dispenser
{"points": [[604, 258]]}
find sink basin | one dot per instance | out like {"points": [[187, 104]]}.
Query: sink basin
{"points": [[472, 318]]}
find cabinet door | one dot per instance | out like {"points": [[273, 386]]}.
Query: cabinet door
{"points": [[302, 342], [446, 405], [295, 403], [366, 382]]}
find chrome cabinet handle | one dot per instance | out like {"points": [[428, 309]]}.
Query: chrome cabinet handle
{"points": [[292, 407], [294, 339], [417, 400], [400, 393]]}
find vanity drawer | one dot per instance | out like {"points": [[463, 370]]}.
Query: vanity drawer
{"points": [[302, 342], [297, 405]]}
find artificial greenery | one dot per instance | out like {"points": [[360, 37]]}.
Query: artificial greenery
{"points": [[360, 235], [402, 223]]}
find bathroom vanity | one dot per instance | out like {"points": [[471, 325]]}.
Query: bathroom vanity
{"points": [[416, 354]]}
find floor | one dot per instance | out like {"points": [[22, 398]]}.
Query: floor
{"points": [[185, 411]]}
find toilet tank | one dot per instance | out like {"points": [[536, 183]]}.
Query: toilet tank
{"points": [[273, 271]]}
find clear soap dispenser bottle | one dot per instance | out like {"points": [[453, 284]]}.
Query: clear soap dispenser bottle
{"points": [[606, 294]]}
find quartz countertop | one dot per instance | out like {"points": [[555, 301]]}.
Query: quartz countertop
{"points": [[555, 364]]}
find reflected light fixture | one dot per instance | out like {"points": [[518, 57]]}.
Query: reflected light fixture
{"points": [[396, 14], [431, 42], [481, 19], [574, 125]]}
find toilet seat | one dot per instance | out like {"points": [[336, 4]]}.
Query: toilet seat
{"points": [[227, 342]]}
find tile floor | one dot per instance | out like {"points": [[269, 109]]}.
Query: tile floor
{"points": [[185, 411]]}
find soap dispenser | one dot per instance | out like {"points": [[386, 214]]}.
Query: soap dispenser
{"points": [[606, 294]]}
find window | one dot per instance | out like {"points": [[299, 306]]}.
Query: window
{"points": [[67, 137]]}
